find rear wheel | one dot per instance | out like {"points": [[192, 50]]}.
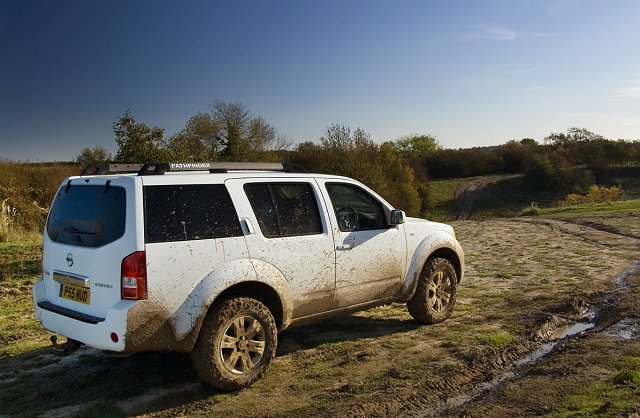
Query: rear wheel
{"points": [[436, 292], [236, 343]]}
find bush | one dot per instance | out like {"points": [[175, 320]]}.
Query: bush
{"points": [[449, 163], [533, 210], [7, 219], [596, 194], [26, 191], [554, 172]]}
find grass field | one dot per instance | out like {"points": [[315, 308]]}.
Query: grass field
{"points": [[632, 206], [19, 268]]}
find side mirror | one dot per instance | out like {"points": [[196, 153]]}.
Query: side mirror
{"points": [[396, 217]]}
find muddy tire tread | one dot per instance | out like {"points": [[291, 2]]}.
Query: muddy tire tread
{"points": [[418, 305], [204, 355]]}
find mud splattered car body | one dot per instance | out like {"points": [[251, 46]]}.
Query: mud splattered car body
{"points": [[216, 258]]}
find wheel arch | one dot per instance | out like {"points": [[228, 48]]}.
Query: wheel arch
{"points": [[434, 246], [449, 255], [259, 291]]}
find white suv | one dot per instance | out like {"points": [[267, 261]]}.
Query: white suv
{"points": [[216, 258]]}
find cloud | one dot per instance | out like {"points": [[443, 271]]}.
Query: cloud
{"points": [[632, 92], [499, 34], [494, 33]]}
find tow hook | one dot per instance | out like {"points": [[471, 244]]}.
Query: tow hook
{"points": [[67, 347]]}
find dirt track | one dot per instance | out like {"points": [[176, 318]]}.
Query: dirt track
{"points": [[526, 278]]}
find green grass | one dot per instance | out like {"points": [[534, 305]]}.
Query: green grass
{"points": [[615, 396], [509, 197], [501, 340], [593, 209], [441, 194], [19, 269], [505, 195]]}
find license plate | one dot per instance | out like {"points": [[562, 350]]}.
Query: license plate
{"points": [[75, 293]]}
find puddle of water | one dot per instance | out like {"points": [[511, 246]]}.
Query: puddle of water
{"points": [[627, 329], [621, 280], [585, 323], [577, 328]]}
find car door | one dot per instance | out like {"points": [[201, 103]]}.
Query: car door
{"points": [[370, 254], [287, 231]]}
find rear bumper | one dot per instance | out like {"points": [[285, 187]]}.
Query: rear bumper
{"points": [[89, 330]]}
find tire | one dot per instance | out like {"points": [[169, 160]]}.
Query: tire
{"points": [[435, 295], [236, 343]]}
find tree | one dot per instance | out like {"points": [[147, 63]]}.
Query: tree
{"points": [[95, 155], [416, 146], [552, 171], [198, 141], [529, 142], [514, 156], [350, 154], [573, 136], [242, 136], [138, 142], [354, 154]]}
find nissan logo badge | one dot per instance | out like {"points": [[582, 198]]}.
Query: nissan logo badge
{"points": [[70, 259]]}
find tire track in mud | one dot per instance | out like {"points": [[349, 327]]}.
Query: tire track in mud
{"points": [[464, 199], [611, 316], [490, 369], [581, 229]]}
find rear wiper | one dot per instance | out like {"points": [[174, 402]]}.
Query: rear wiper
{"points": [[74, 230]]}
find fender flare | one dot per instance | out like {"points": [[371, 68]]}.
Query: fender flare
{"points": [[188, 317], [270, 275], [434, 243]]}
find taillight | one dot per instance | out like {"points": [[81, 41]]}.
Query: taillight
{"points": [[134, 276]]}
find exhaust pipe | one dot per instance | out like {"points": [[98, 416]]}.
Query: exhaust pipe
{"points": [[67, 347]]}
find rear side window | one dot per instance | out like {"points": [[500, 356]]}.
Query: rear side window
{"points": [[284, 209], [87, 215], [189, 212]]}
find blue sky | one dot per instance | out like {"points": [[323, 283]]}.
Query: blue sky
{"points": [[471, 73]]}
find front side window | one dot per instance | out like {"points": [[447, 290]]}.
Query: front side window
{"points": [[355, 209], [87, 215], [284, 209], [189, 212]]}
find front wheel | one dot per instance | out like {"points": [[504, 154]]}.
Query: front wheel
{"points": [[435, 295], [236, 343]]}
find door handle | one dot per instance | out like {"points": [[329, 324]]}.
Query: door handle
{"points": [[343, 247], [247, 226]]}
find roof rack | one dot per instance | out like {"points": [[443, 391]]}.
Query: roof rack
{"points": [[212, 167], [100, 169]]}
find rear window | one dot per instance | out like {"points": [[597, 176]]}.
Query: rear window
{"points": [[189, 212], [87, 215]]}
